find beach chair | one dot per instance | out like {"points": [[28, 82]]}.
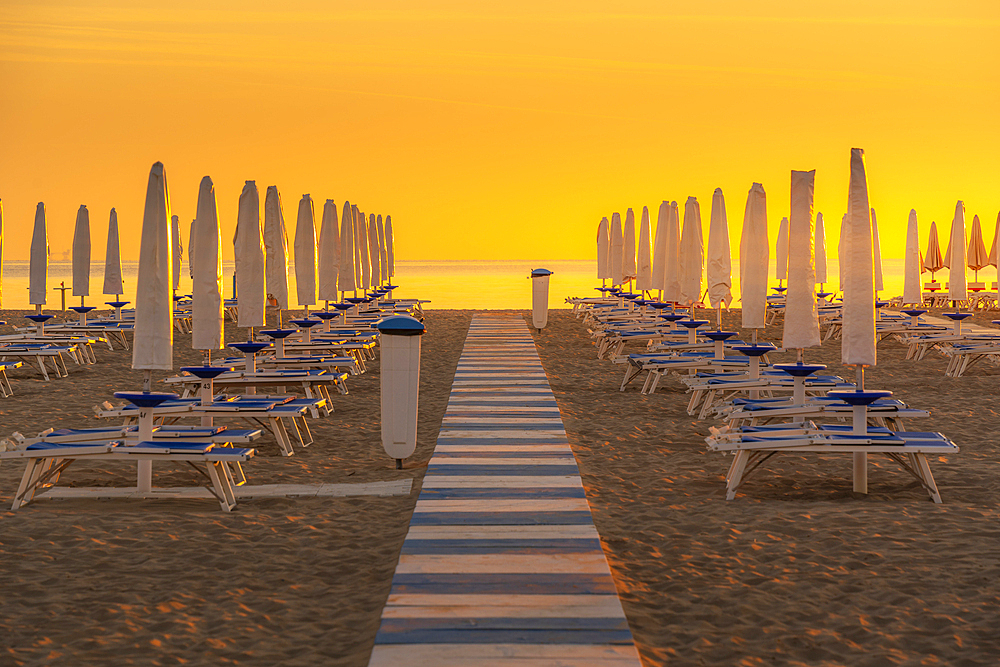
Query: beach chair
{"points": [[38, 354], [46, 461]]}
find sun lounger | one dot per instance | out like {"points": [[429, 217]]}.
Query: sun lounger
{"points": [[38, 353], [908, 449], [46, 461]]}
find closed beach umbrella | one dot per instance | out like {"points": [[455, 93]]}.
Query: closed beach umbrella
{"points": [[177, 249], [153, 340], [660, 246], [345, 274], [206, 311], [977, 257], [628, 247], [363, 255], [644, 261], [1, 252], [820, 248], [113, 282], [933, 260], [383, 255], [912, 262], [842, 257], [692, 253], [81, 253], [617, 250], [373, 251], [955, 256], [877, 254], [672, 257], [329, 253], [801, 322], [781, 251], [720, 269], [754, 251], [858, 333], [993, 248], [305, 253], [275, 249], [603, 249], [390, 246], [38, 266], [191, 248], [249, 251]]}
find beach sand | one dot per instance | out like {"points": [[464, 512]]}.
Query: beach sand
{"points": [[796, 570], [289, 581]]}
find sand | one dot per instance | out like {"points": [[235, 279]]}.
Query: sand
{"points": [[291, 581], [796, 571]]}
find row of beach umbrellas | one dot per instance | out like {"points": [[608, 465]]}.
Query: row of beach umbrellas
{"points": [[675, 261], [353, 253]]}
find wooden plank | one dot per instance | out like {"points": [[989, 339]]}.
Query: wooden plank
{"points": [[504, 564], [503, 505], [592, 605], [516, 655], [501, 481], [501, 532]]}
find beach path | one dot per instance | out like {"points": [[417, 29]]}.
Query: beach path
{"points": [[502, 563]]}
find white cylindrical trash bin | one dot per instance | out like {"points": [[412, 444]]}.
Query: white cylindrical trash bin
{"points": [[540, 297], [399, 343]]}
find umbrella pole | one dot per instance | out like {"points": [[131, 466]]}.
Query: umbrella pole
{"points": [[860, 458], [144, 469], [718, 317]]}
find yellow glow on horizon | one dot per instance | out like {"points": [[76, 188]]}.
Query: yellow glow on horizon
{"points": [[501, 130]]}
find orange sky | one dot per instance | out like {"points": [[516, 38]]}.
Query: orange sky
{"points": [[496, 130]]}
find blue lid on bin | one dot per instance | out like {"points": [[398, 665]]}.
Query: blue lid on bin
{"points": [[537, 273], [400, 325]]}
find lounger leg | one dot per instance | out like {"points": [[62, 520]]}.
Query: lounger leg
{"points": [[41, 365], [22, 489], [860, 472], [308, 440], [227, 499], [924, 468], [5, 387], [281, 435], [736, 473]]}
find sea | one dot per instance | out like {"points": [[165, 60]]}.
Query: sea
{"points": [[444, 284]]}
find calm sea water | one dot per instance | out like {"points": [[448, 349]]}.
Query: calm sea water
{"points": [[446, 284]]}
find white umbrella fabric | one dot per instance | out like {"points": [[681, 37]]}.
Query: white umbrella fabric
{"points": [[617, 250], [1, 252], [977, 257], [955, 256], [345, 274], [877, 254], [692, 253], [81, 253], [191, 248], [153, 339], [329, 253], [754, 251], [912, 263], [603, 249], [720, 268], [275, 249], [781, 251], [177, 249], [305, 253], [820, 249], [373, 251], [206, 310], [933, 261], [801, 321], [672, 257], [858, 334], [842, 257], [390, 247], [644, 262], [249, 252], [628, 246], [660, 246], [993, 248], [383, 255], [361, 240], [38, 266]]}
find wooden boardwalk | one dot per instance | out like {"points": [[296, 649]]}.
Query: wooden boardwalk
{"points": [[502, 563]]}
